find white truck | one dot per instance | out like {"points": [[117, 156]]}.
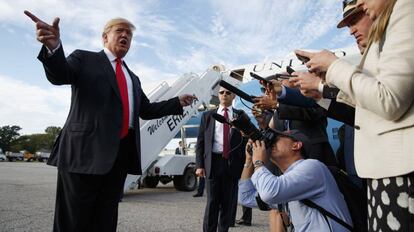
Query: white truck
{"points": [[157, 133]]}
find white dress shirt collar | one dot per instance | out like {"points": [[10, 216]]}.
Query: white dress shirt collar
{"points": [[220, 110], [109, 54]]}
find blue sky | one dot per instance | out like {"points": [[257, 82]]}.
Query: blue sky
{"points": [[172, 38]]}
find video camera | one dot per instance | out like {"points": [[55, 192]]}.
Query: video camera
{"points": [[242, 122]]}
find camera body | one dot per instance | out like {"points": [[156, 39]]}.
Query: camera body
{"points": [[242, 122]]}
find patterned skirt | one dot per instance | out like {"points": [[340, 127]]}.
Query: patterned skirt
{"points": [[391, 203]]}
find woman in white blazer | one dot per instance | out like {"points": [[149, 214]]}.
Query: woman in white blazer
{"points": [[381, 89]]}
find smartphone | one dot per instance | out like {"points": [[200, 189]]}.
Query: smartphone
{"points": [[284, 76], [304, 59], [257, 77], [289, 70]]}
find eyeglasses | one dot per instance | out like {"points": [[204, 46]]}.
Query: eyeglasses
{"points": [[345, 3], [225, 92]]}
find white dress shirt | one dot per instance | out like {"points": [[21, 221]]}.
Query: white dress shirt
{"points": [[112, 59], [218, 130]]}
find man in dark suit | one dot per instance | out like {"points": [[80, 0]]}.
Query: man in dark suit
{"points": [[100, 141], [220, 158]]}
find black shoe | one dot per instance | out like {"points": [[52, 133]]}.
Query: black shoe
{"points": [[197, 195], [243, 222]]}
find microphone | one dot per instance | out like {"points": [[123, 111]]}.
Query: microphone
{"points": [[237, 91], [221, 118]]}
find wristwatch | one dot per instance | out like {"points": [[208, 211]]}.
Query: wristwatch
{"points": [[258, 163]]}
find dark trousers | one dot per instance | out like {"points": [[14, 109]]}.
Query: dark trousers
{"points": [[247, 214], [86, 202], [234, 204], [201, 184], [220, 192]]}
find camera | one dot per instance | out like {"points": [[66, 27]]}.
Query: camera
{"points": [[242, 122]]}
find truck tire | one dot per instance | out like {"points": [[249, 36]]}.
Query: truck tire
{"points": [[151, 181], [186, 182]]}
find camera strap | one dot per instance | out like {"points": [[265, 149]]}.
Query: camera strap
{"points": [[326, 213]]}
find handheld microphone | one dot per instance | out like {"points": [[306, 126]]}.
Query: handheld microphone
{"points": [[221, 118], [236, 91], [274, 76]]}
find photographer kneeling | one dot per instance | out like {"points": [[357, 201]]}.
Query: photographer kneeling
{"points": [[302, 179]]}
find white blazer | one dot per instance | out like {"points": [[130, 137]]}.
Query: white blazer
{"points": [[382, 91]]}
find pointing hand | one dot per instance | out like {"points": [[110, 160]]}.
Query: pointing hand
{"points": [[47, 34]]}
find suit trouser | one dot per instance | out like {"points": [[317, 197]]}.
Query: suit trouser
{"points": [[220, 189], [201, 184], [234, 203], [247, 214], [86, 202]]}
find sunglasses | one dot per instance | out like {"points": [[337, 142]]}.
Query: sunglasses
{"points": [[345, 3], [225, 92]]}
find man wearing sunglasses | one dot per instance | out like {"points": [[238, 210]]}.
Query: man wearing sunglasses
{"points": [[220, 158]]}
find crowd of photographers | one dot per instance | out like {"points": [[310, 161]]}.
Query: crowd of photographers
{"points": [[375, 102]]}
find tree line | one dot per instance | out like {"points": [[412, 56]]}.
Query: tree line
{"points": [[11, 140]]}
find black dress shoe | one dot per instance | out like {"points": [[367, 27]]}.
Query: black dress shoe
{"points": [[243, 222], [197, 195]]}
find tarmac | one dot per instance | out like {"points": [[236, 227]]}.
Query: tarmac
{"points": [[27, 199]]}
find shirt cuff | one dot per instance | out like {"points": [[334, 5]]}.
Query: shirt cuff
{"points": [[282, 95], [51, 52], [320, 87]]}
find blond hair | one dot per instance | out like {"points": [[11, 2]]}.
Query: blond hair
{"points": [[117, 21], [380, 24]]}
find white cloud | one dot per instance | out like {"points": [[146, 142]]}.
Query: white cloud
{"points": [[31, 107], [150, 77]]}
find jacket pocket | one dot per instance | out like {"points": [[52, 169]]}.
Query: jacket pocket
{"points": [[80, 127]]}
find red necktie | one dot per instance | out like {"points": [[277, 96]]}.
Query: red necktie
{"points": [[226, 130], [123, 90]]}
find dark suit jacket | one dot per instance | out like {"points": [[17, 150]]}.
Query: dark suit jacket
{"points": [[205, 145], [337, 110], [89, 140]]}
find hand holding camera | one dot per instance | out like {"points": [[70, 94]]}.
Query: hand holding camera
{"points": [[259, 151]]}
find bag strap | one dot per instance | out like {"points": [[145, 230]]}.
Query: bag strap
{"points": [[327, 213]]}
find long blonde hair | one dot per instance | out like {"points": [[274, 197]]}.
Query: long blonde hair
{"points": [[381, 22]]}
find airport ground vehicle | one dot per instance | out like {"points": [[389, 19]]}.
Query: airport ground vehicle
{"points": [[28, 157], [2, 156], [14, 156], [42, 156]]}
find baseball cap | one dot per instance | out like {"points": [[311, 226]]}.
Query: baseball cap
{"points": [[297, 135], [349, 9]]}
